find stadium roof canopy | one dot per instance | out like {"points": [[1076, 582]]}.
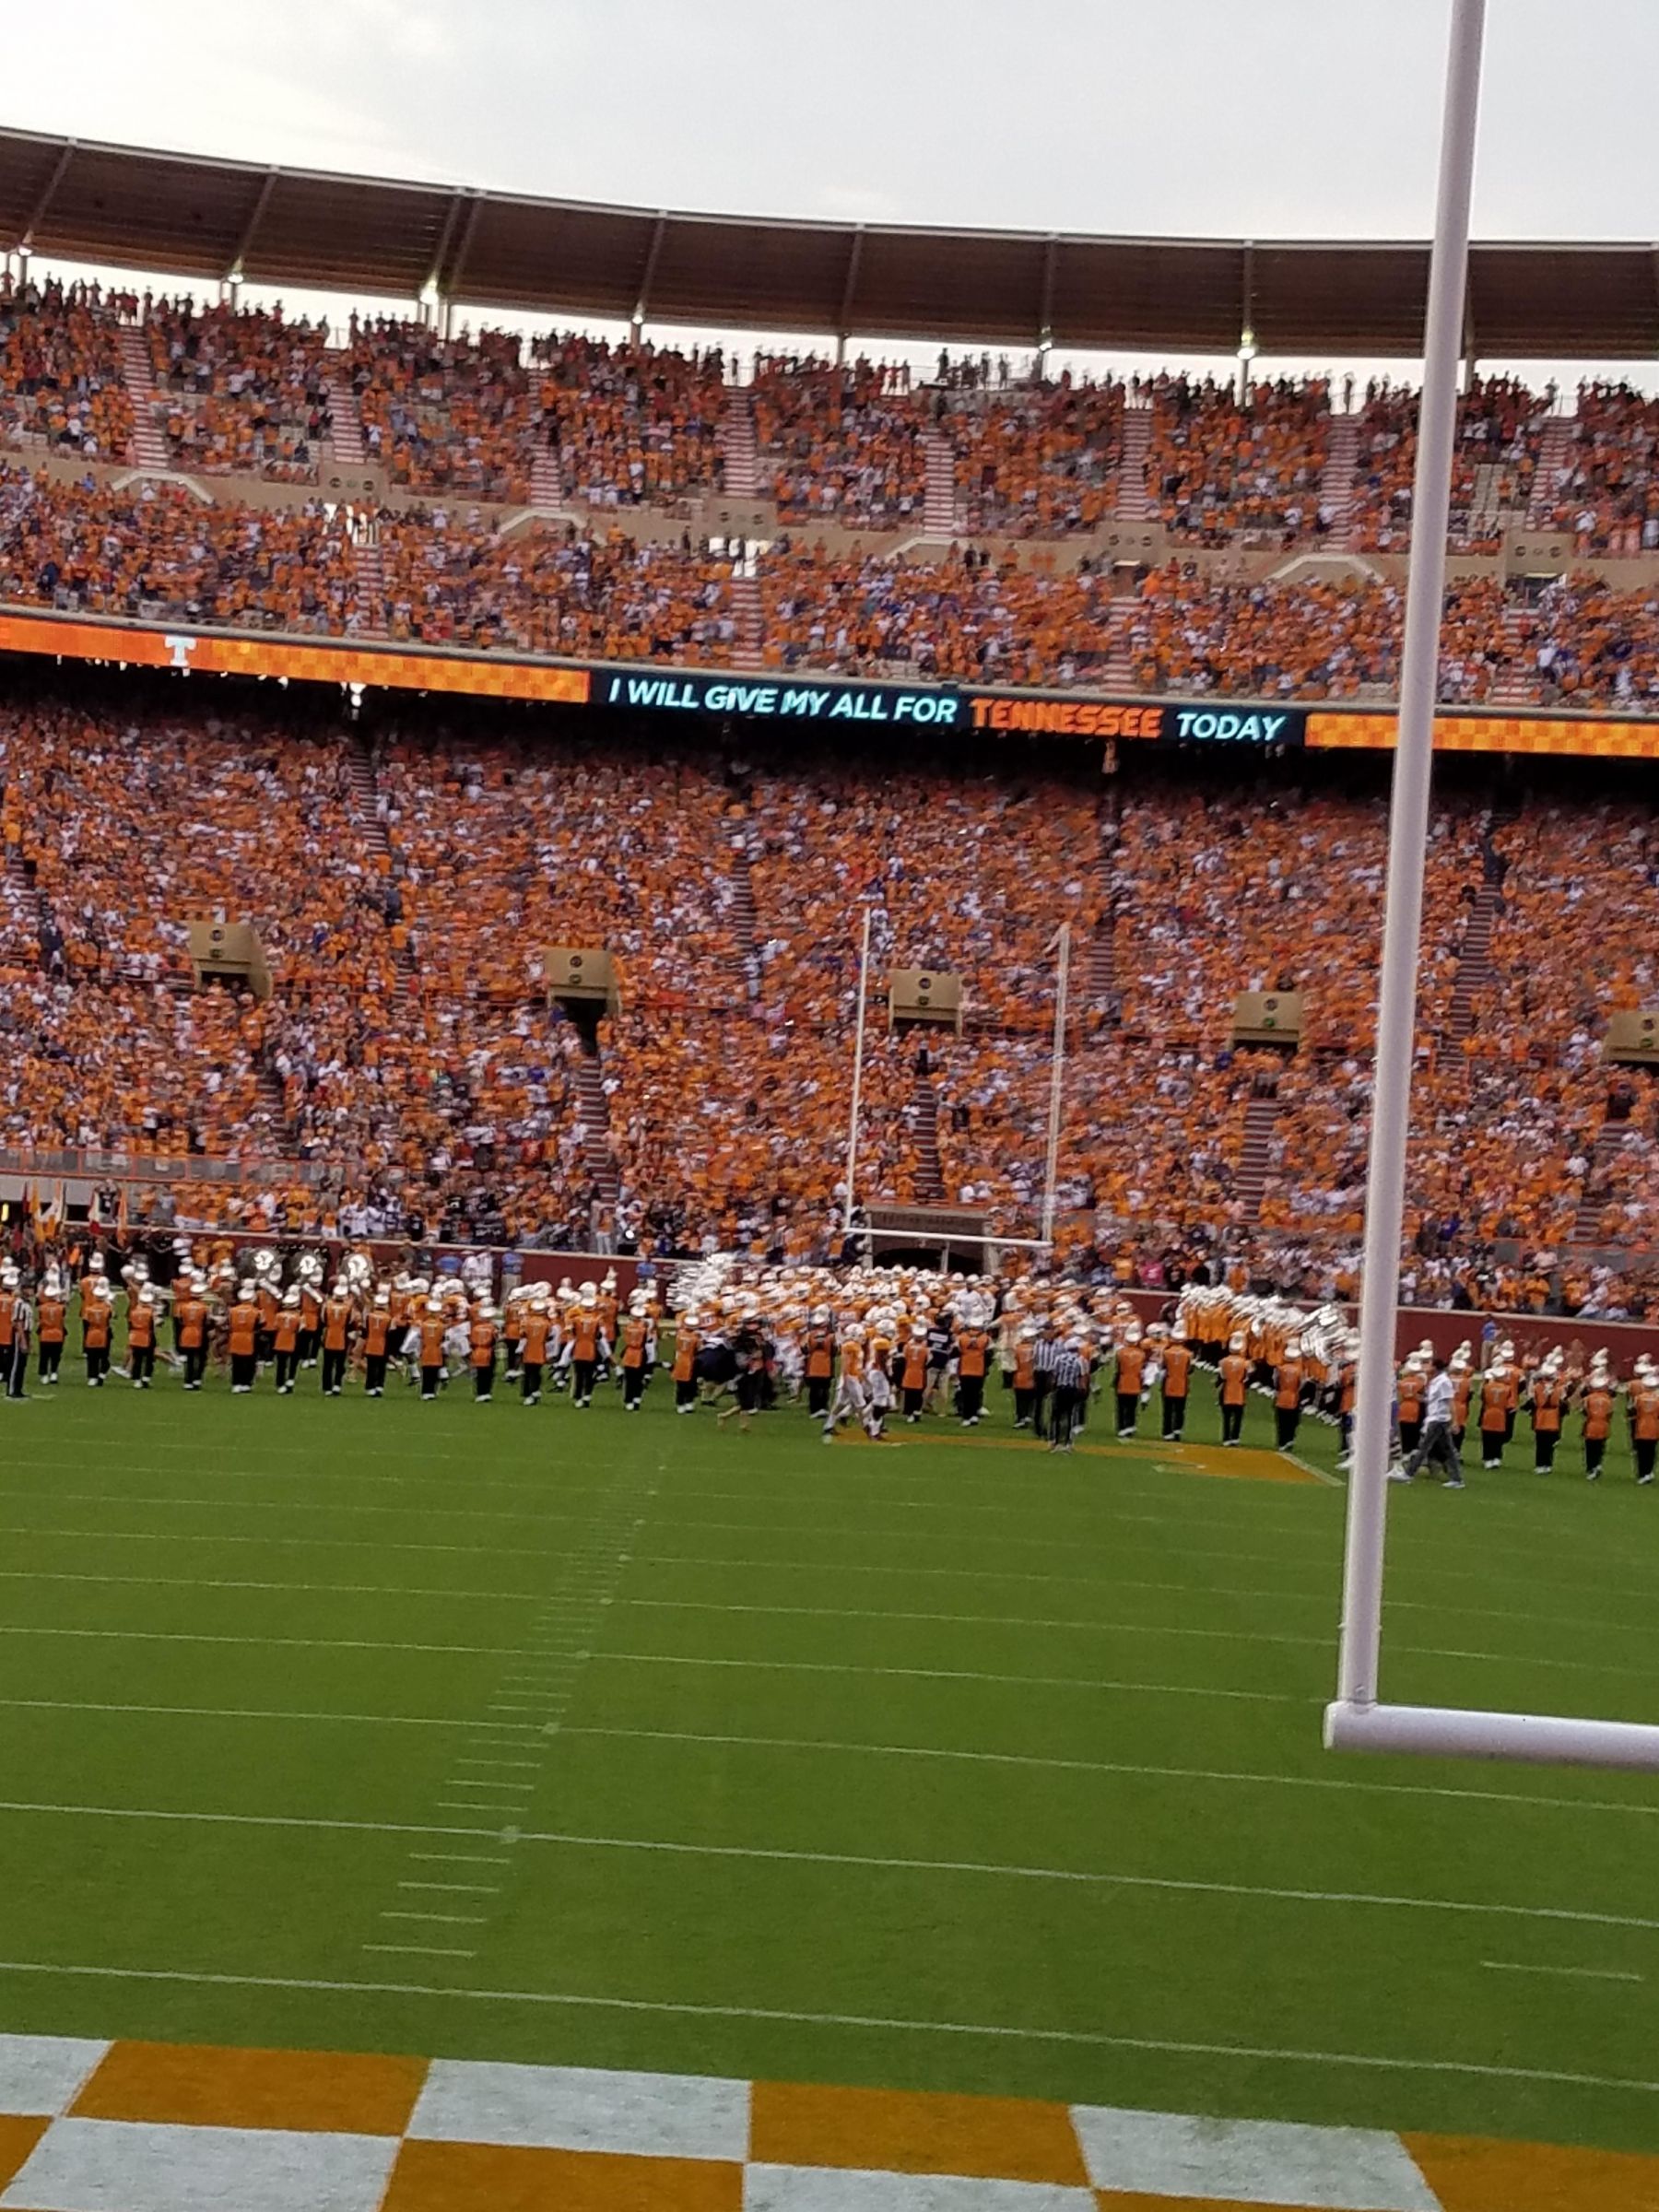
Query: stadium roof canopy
{"points": [[185, 216]]}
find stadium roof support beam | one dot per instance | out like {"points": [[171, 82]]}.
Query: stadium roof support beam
{"points": [[438, 275], [1045, 305], [449, 281], [47, 194], [648, 275], [250, 229], [844, 316]]}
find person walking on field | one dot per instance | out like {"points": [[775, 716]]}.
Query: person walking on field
{"points": [[1437, 1443], [1177, 1373]]}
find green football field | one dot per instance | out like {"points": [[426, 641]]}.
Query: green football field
{"points": [[627, 1742]]}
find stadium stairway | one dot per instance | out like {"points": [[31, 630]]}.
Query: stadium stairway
{"points": [[371, 585], [1336, 485], [1512, 686], [737, 445], [1103, 983], [1133, 500], [939, 518], [930, 1168], [1586, 1224], [745, 608], [1117, 671], [345, 433], [1474, 963], [595, 1121], [546, 481], [1555, 458], [1255, 1154], [150, 449], [744, 920]]}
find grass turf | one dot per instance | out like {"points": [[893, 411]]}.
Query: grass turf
{"points": [[620, 1741]]}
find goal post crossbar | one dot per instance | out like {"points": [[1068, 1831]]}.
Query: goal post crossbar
{"points": [[1519, 1738]]}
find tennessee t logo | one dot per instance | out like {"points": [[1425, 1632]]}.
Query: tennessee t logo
{"points": [[181, 648]]}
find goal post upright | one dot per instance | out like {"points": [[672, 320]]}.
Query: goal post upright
{"points": [[1409, 831]]}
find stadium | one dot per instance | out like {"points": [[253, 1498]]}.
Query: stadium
{"points": [[685, 956]]}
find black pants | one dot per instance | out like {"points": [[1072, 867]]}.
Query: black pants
{"points": [[287, 1365], [334, 1369], [1128, 1403], [308, 1348], [1543, 1447], [912, 1402], [1232, 1422], [971, 1397], [1492, 1441], [52, 1357], [1644, 1448], [242, 1368], [484, 1379], [1064, 1416], [195, 1362], [817, 1395], [581, 1374], [633, 1384], [1174, 1421], [1411, 1436], [531, 1375], [1595, 1449], [97, 1361], [429, 1381], [1039, 1398], [1023, 1400], [141, 1363], [374, 1371], [1435, 1448], [515, 1346], [14, 1361], [1287, 1420]]}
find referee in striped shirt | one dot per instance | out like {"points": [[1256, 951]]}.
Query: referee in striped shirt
{"points": [[1071, 1386], [1048, 1350]]}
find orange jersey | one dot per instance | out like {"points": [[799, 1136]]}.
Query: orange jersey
{"points": [[538, 1331], [1645, 1412], [633, 1344], [1178, 1367], [1235, 1375], [1598, 1410], [51, 1320], [141, 1327], [1287, 1393], [1546, 1407], [336, 1320], [1411, 1396], [685, 1355], [285, 1335], [1496, 1402], [584, 1338], [244, 1326], [482, 1337], [973, 1347], [1131, 1367], [431, 1340], [820, 1354], [852, 1359], [192, 1316], [377, 1332], [1024, 1368], [915, 1367]]}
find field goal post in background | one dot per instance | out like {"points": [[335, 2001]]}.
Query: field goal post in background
{"points": [[1357, 1721]]}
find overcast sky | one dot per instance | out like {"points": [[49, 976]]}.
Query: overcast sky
{"points": [[1263, 118]]}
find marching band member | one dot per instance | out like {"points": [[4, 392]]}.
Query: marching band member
{"points": [[687, 1342], [285, 1340], [1233, 1382], [537, 1337], [245, 1340], [51, 1315], [1548, 1396], [1599, 1397], [142, 1319], [1177, 1377], [974, 1353], [336, 1331], [379, 1334], [482, 1332]]}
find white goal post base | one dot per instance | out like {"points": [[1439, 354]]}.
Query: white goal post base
{"points": [[1531, 1739]]}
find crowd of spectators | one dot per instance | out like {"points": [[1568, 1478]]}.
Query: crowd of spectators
{"points": [[1607, 494], [62, 385], [839, 445], [408, 1049], [1220, 469], [1500, 435], [632, 425], [1036, 460], [240, 391]]}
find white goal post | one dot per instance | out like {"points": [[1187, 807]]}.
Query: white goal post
{"points": [[1357, 1721]]}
